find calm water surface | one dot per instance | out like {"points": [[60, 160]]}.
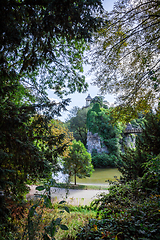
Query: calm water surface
{"points": [[100, 175]]}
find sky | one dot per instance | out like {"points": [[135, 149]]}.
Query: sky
{"points": [[78, 99]]}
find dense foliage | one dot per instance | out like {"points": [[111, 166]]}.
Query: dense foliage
{"points": [[77, 124], [147, 148], [41, 47], [59, 129], [99, 121], [104, 160], [125, 213], [47, 39], [131, 210]]}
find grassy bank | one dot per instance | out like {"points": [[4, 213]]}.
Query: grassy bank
{"points": [[82, 187]]}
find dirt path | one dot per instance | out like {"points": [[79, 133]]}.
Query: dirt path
{"points": [[72, 196]]}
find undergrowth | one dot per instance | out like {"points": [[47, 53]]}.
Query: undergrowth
{"points": [[73, 218]]}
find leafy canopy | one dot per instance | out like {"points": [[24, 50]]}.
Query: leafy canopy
{"points": [[41, 47], [46, 39], [126, 54], [77, 124], [78, 162], [59, 129]]}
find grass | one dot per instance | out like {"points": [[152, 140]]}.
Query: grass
{"points": [[81, 187], [78, 217]]}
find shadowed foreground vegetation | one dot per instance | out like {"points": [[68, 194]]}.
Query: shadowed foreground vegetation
{"points": [[73, 217]]}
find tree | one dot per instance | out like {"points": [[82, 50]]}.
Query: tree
{"points": [[72, 113], [77, 124], [46, 39], [38, 37], [41, 47], [58, 129], [78, 161], [150, 136], [28, 151], [126, 54], [97, 99]]}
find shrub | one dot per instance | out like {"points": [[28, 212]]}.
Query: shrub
{"points": [[127, 212], [147, 148], [102, 160]]}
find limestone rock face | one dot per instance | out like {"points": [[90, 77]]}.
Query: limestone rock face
{"points": [[95, 142]]}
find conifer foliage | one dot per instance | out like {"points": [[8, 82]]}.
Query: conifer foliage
{"points": [[147, 148]]}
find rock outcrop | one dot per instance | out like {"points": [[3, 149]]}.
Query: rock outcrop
{"points": [[94, 142]]}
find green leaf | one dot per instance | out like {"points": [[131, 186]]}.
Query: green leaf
{"points": [[62, 202], [61, 211], [52, 229], [63, 227], [40, 188], [48, 203], [67, 209], [32, 210]]}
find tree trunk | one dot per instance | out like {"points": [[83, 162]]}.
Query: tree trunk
{"points": [[75, 178], [49, 194]]}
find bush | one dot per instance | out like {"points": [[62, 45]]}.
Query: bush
{"points": [[102, 160], [134, 161], [127, 212], [132, 166], [151, 178]]}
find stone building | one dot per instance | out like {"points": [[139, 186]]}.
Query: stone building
{"points": [[88, 100]]}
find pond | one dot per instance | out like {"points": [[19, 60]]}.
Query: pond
{"points": [[100, 175]]}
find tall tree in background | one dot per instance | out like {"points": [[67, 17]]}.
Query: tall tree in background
{"points": [[58, 129], [77, 124], [97, 99], [126, 54]]}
